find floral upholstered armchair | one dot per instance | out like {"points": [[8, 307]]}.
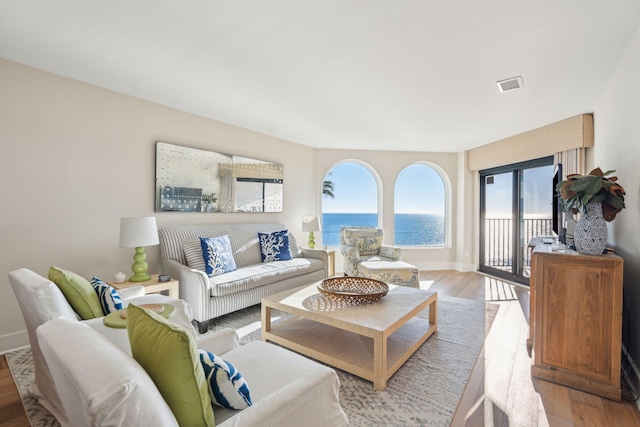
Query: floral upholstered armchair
{"points": [[364, 244]]}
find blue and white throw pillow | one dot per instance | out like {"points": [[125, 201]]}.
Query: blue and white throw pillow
{"points": [[275, 246], [226, 386], [108, 296], [218, 256]]}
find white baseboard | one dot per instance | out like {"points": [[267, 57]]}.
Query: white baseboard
{"points": [[429, 266], [13, 341], [466, 267]]}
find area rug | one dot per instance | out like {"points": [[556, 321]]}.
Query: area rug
{"points": [[21, 366], [425, 391]]}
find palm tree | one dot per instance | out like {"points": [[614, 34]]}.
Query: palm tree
{"points": [[327, 188]]}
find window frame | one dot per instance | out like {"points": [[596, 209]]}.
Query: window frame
{"points": [[447, 214]]}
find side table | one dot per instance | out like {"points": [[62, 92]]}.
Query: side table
{"points": [[332, 263], [153, 286]]}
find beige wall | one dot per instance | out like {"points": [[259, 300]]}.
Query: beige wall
{"points": [[387, 166], [617, 146], [77, 158]]}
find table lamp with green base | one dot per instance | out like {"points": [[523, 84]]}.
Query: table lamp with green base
{"points": [[138, 233], [311, 223]]}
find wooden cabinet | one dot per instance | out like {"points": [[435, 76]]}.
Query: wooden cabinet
{"points": [[576, 320]]}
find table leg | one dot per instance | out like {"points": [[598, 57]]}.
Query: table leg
{"points": [[433, 312], [174, 291], [380, 361], [332, 263], [266, 320]]}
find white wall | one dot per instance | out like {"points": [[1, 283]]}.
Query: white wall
{"points": [[617, 146], [388, 165], [77, 158]]}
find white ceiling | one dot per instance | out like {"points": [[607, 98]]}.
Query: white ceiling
{"points": [[362, 74]]}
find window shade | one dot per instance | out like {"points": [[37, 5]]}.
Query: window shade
{"points": [[575, 132]]}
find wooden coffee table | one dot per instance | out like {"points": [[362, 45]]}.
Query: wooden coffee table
{"points": [[371, 341]]}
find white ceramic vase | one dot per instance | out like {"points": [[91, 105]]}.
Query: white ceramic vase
{"points": [[590, 236]]}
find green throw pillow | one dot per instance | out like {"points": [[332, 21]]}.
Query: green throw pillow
{"points": [[78, 292], [170, 356]]}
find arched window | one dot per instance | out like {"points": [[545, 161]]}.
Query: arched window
{"points": [[420, 207], [349, 198]]}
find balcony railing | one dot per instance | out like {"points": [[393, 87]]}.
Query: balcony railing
{"points": [[499, 240]]}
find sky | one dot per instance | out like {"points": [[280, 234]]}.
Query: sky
{"points": [[537, 192], [419, 189]]}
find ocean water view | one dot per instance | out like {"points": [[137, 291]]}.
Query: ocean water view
{"points": [[410, 229]]}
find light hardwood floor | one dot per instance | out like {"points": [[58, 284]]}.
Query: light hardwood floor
{"points": [[11, 409], [500, 391]]}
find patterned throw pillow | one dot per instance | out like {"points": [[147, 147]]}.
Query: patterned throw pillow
{"points": [[275, 246], [227, 388], [108, 296], [218, 256]]}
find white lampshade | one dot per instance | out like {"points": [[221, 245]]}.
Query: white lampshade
{"points": [[310, 223], [138, 232]]}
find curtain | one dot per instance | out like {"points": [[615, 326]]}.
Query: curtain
{"points": [[573, 161]]}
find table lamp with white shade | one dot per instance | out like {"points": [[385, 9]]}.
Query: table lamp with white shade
{"points": [[311, 223], [138, 233]]}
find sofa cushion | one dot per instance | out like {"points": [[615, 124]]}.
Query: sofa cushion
{"points": [[218, 256], [227, 388], [170, 356], [108, 296], [296, 252], [287, 389], [78, 291], [261, 274], [193, 252], [100, 385], [275, 246]]}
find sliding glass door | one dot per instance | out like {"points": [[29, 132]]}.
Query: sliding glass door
{"points": [[515, 206]]}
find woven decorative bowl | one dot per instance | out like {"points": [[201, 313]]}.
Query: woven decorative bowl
{"points": [[353, 289]]}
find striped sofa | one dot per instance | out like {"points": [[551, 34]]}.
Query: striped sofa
{"points": [[211, 297]]}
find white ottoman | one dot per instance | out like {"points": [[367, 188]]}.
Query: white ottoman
{"points": [[393, 272]]}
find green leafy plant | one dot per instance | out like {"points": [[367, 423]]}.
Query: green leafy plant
{"points": [[328, 187], [579, 190]]}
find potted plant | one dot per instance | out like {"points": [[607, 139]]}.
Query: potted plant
{"points": [[598, 198], [579, 190]]}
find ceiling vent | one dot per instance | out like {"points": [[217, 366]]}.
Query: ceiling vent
{"points": [[510, 84]]}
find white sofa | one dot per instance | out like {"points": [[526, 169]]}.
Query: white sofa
{"points": [[211, 297], [86, 376], [41, 300], [101, 385]]}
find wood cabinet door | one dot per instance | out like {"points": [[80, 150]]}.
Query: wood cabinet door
{"points": [[578, 318], [577, 304]]}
